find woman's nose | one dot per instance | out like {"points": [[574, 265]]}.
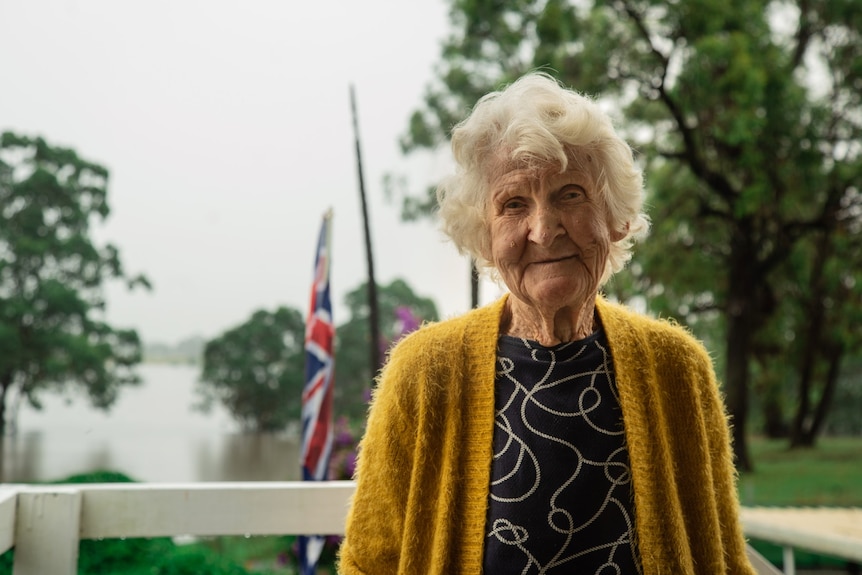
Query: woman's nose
{"points": [[545, 226]]}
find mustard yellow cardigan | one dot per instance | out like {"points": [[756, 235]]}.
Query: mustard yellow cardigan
{"points": [[424, 463]]}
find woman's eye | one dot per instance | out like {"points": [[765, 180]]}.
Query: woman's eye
{"points": [[513, 204], [572, 192]]}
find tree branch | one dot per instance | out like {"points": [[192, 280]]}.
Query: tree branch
{"points": [[803, 34], [691, 153]]}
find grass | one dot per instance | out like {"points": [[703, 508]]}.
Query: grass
{"points": [[828, 475]]}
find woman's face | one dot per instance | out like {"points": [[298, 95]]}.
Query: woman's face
{"points": [[549, 234]]}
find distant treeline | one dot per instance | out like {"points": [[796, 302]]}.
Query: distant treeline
{"points": [[189, 350]]}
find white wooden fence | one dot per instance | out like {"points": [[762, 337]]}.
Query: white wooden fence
{"points": [[45, 523]]}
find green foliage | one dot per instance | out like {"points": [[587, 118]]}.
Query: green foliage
{"points": [[829, 475], [193, 560], [261, 555], [52, 275], [353, 376], [256, 370], [97, 477], [816, 331], [844, 417], [129, 556], [751, 152]]}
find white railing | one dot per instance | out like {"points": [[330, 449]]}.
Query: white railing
{"points": [[45, 523], [831, 531]]}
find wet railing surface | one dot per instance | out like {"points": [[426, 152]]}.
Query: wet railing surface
{"points": [[45, 523]]}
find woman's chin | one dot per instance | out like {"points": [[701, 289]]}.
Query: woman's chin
{"points": [[560, 292]]}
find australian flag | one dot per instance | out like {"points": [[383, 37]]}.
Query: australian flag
{"points": [[317, 429]]}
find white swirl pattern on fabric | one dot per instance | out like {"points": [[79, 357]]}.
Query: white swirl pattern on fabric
{"points": [[560, 498]]}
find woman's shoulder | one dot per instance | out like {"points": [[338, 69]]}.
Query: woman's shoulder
{"points": [[439, 349], [622, 322]]}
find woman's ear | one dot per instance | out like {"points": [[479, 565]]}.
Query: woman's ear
{"points": [[617, 235]]}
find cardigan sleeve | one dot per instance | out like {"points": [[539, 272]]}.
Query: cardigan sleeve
{"points": [[424, 461], [718, 457], [724, 478], [679, 445], [375, 521]]}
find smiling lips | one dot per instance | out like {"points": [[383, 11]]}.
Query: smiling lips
{"points": [[555, 260]]}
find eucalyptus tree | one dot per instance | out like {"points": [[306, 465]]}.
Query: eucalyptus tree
{"points": [[745, 114], [256, 370], [821, 320], [53, 332]]}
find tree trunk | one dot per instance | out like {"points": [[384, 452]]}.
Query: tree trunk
{"points": [[816, 314], [5, 386], [741, 323], [474, 284], [774, 424], [809, 436], [736, 384], [806, 374]]}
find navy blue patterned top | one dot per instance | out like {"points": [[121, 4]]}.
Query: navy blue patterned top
{"points": [[561, 496]]}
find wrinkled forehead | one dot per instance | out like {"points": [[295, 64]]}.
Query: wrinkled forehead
{"points": [[576, 159]]}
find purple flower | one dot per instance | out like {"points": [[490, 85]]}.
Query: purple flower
{"points": [[407, 321], [343, 438], [350, 464]]}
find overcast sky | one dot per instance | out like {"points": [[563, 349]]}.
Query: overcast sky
{"points": [[226, 127]]}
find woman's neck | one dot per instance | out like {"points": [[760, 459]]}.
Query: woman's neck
{"points": [[549, 326]]}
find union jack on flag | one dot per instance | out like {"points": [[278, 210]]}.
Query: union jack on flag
{"points": [[317, 427]]}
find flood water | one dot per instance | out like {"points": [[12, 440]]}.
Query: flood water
{"points": [[151, 434]]}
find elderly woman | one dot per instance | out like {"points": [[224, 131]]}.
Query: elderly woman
{"points": [[551, 431]]}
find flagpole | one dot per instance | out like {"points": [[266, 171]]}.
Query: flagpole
{"points": [[373, 313]]}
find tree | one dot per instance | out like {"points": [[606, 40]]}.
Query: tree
{"points": [[747, 115], [53, 335], [401, 310], [844, 417], [256, 370], [823, 301]]}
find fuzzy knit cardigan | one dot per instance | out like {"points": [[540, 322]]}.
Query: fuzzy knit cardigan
{"points": [[424, 462]]}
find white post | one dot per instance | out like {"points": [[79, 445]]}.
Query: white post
{"points": [[47, 527], [761, 565], [8, 507], [789, 561]]}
